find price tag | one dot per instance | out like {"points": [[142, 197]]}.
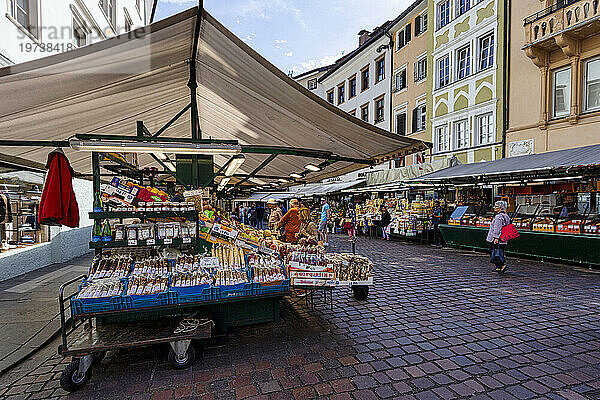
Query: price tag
{"points": [[132, 242], [187, 240], [168, 241], [150, 242]]}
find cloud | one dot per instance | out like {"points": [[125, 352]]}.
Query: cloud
{"points": [[288, 54], [279, 41], [312, 64], [180, 1], [268, 10]]}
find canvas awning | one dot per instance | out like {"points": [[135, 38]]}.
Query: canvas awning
{"points": [[551, 164], [104, 88], [396, 175]]}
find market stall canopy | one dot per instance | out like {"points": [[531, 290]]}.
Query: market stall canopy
{"points": [[326, 188], [553, 164], [104, 88], [396, 175]]}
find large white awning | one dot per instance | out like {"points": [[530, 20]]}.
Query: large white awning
{"points": [[104, 88]]}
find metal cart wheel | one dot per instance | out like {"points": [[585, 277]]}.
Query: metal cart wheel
{"points": [[361, 292], [99, 356], [76, 374], [182, 354]]}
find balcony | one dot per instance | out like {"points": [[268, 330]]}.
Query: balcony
{"points": [[579, 18]]}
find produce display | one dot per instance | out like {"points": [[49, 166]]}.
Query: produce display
{"points": [[351, 267], [101, 288], [146, 284]]}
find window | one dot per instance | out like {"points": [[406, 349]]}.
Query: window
{"points": [[364, 113], [330, 96], [25, 12], [486, 52], [562, 92], [463, 6], [400, 81], [312, 84], [108, 6], [485, 128], [421, 69], [443, 12], [463, 57], [379, 110], [380, 69], [419, 118], [128, 21], [421, 24], [592, 85], [401, 123], [341, 93], [461, 134], [352, 112], [364, 77], [79, 34], [399, 162], [441, 138], [443, 71], [352, 87], [404, 36]]}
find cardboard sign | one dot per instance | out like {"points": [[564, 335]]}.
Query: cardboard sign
{"points": [[224, 231]]}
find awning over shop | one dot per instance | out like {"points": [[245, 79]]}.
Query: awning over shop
{"points": [[104, 88], [554, 164], [325, 188], [395, 175]]}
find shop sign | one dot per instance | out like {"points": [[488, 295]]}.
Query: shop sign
{"points": [[311, 282], [312, 274], [224, 231]]}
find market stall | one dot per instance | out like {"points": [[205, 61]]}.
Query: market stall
{"points": [[552, 198], [163, 247]]}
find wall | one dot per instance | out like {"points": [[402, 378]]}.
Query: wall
{"points": [[56, 27], [406, 99], [527, 131]]}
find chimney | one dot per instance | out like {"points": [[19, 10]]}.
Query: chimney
{"points": [[363, 36]]}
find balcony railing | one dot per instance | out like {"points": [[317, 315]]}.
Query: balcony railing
{"points": [[563, 15]]}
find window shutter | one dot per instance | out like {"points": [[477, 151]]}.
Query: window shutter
{"points": [[403, 79], [402, 124], [408, 33], [418, 25], [401, 40], [414, 120], [416, 71], [424, 22]]}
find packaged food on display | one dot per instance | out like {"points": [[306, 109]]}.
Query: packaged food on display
{"points": [[229, 255], [351, 267], [108, 287], [110, 267], [265, 269], [152, 266], [146, 284]]}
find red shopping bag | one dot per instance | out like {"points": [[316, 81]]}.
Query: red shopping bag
{"points": [[508, 232]]}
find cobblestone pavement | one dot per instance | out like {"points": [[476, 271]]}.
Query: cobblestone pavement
{"points": [[437, 324]]}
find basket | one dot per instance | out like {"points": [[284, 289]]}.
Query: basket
{"points": [[239, 290], [133, 301], [96, 305], [269, 288], [194, 294]]}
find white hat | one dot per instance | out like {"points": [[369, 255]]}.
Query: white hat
{"points": [[272, 201]]}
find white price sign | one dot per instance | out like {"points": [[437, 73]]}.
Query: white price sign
{"points": [[150, 242], [168, 241], [187, 240], [132, 242]]}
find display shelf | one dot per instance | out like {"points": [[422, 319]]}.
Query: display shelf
{"points": [[190, 215], [141, 243]]}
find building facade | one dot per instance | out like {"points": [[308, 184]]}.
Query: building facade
{"points": [[409, 79], [360, 82], [554, 85], [310, 79], [465, 88], [32, 29]]}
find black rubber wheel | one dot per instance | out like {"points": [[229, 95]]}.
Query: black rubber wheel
{"points": [[99, 356], [185, 362], [70, 379], [361, 292]]}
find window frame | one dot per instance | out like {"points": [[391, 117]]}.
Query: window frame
{"points": [[109, 9], [379, 77], [418, 77], [311, 81], [586, 84], [448, 15], [421, 28], [567, 112], [78, 28], [397, 75], [31, 27], [364, 70], [421, 114], [376, 118], [467, 69], [397, 113], [364, 116], [341, 93], [350, 87], [330, 92], [446, 68], [466, 138], [491, 56], [445, 143], [400, 34], [490, 124], [469, 5]]}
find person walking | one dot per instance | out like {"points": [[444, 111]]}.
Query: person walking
{"points": [[497, 246], [291, 222], [386, 219], [436, 220], [252, 216], [260, 215], [350, 223], [275, 215], [325, 214]]}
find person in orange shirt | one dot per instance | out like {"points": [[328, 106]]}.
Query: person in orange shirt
{"points": [[291, 222]]}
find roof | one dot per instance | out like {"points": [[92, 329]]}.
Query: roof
{"points": [[376, 34], [404, 13], [562, 161], [313, 71], [105, 87]]}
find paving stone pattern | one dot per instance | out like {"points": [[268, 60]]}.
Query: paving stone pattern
{"points": [[439, 324]]}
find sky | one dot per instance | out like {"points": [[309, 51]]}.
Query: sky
{"points": [[295, 35]]}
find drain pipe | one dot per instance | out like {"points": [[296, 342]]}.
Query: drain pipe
{"points": [[506, 73]]}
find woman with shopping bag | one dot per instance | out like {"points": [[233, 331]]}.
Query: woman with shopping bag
{"points": [[498, 236]]}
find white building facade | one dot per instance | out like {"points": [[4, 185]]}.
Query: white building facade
{"points": [[32, 29], [466, 85]]}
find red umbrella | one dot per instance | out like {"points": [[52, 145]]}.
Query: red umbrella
{"points": [[58, 205]]}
